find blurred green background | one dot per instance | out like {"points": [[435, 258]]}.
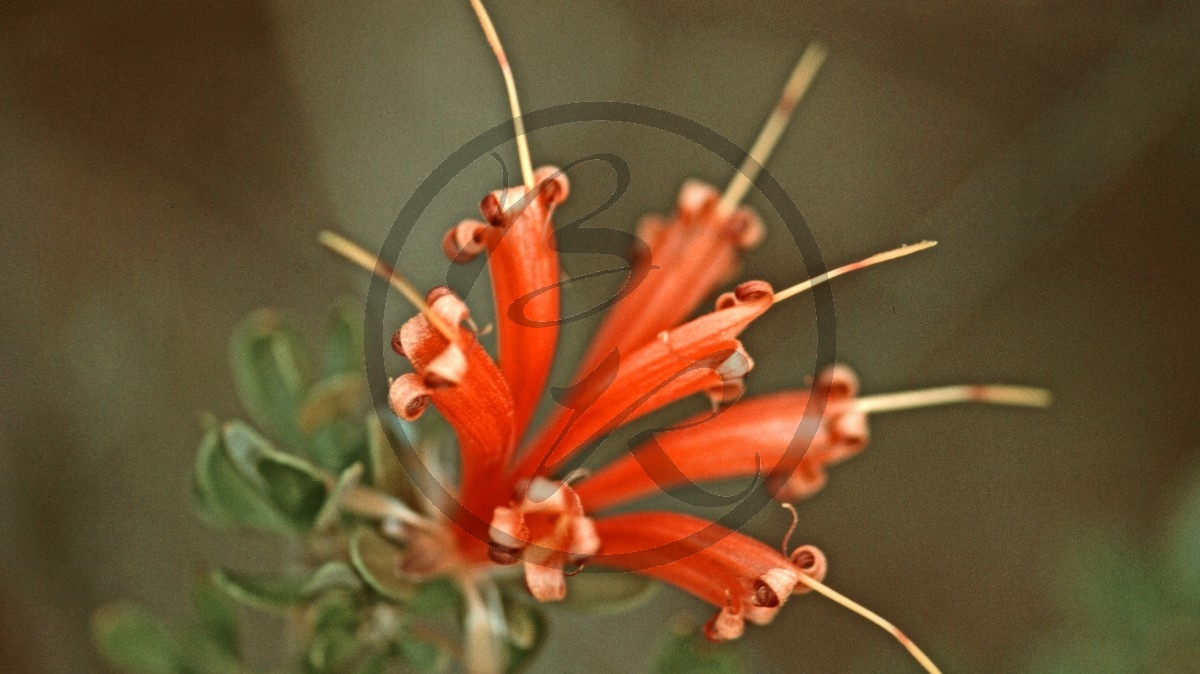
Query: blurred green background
{"points": [[166, 166]]}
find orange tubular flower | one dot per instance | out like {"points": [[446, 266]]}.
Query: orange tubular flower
{"points": [[744, 578], [463, 383], [690, 255], [698, 356], [519, 240], [778, 430]]}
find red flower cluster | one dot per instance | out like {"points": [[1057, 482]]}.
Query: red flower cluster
{"points": [[512, 504], [645, 356]]}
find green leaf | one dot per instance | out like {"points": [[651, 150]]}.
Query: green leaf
{"points": [[608, 592], [439, 595], [335, 633], [204, 656], [341, 396], [271, 372], [134, 641], [291, 485], [1183, 540], [526, 634], [387, 472], [1112, 590], [273, 592], [344, 340], [330, 419], [424, 656], [250, 451], [331, 512], [217, 616], [687, 652], [374, 558], [337, 445], [226, 498]]}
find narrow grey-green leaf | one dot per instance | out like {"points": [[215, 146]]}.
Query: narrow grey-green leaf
{"points": [[203, 655], [329, 418], [334, 633], [274, 592], [217, 616], [224, 495], [248, 450], [337, 445], [375, 560], [294, 487], [330, 512], [387, 471], [424, 656], [439, 595], [526, 634], [271, 372], [340, 396], [344, 340], [134, 641]]}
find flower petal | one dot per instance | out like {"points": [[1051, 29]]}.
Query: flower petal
{"points": [[522, 263], [467, 388], [743, 577], [769, 433], [687, 359], [408, 396], [693, 252]]}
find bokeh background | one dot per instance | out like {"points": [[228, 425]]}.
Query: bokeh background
{"points": [[166, 166]]}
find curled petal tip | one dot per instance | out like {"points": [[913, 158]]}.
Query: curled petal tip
{"points": [[493, 211], [464, 241], [750, 291], [408, 397], [397, 343], [808, 479], [810, 561], [850, 432], [774, 587], [837, 381], [746, 228], [747, 292], [761, 615], [548, 525], [555, 186]]}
